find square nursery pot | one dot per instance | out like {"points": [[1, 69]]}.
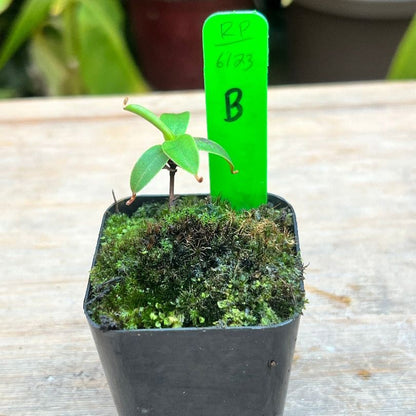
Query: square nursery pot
{"points": [[234, 371]]}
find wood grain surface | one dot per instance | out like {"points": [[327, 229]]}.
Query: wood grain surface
{"points": [[344, 155]]}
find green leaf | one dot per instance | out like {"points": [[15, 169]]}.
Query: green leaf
{"points": [[148, 165], [4, 4], [51, 61], [183, 151], [31, 16], [151, 118], [178, 123], [214, 148], [106, 64], [403, 65], [112, 10], [69, 30]]}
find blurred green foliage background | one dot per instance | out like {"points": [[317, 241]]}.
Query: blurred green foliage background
{"points": [[65, 47], [71, 47]]}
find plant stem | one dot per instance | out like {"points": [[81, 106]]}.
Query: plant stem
{"points": [[172, 170], [115, 201]]}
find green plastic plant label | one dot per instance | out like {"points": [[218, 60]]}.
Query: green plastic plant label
{"points": [[235, 48]]}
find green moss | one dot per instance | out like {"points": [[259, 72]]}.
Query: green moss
{"points": [[198, 264]]}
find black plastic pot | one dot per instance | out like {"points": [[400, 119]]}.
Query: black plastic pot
{"points": [[241, 371]]}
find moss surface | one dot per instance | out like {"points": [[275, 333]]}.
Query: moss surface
{"points": [[199, 264]]}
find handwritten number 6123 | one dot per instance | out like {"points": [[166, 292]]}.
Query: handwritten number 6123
{"points": [[242, 61]]}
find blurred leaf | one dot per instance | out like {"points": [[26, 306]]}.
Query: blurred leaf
{"points": [[148, 165], [46, 52], [7, 93], [4, 4], [106, 64], [214, 148], [69, 30], [32, 14], [178, 123], [183, 151], [112, 10], [61, 77], [404, 62], [58, 6]]}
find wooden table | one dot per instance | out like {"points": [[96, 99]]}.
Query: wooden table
{"points": [[343, 155]]}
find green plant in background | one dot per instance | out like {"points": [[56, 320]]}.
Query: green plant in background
{"points": [[16, 77], [4, 4], [77, 46], [178, 150], [403, 65]]}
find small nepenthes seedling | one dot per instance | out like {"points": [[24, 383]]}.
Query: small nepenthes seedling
{"points": [[179, 149]]}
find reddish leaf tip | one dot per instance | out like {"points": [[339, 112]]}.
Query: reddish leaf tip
{"points": [[131, 200]]}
